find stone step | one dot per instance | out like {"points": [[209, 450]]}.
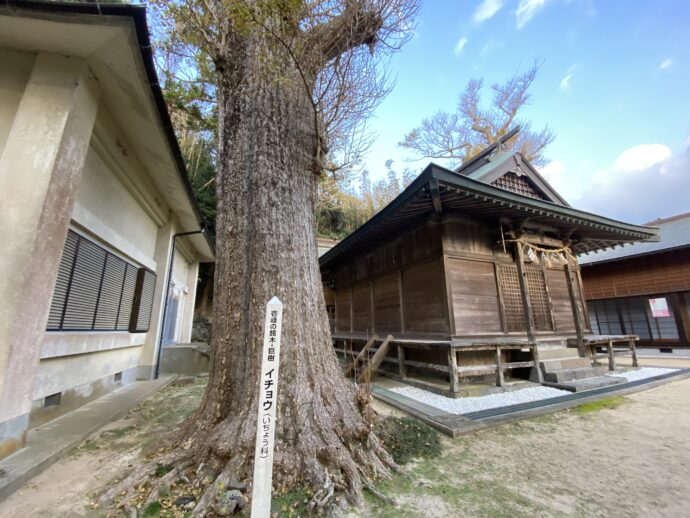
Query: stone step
{"points": [[587, 384], [571, 374], [554, 353], [564, 364]]}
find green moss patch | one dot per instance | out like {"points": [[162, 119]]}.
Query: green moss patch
{"points": [[601, 404], [406, 439]]}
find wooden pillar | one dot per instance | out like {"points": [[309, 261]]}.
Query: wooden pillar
{"points": [[680, 315], [453, 369], [448, 295], [612, 357], [401, 362], [633, 352], [578, 281], [529, 317], [685, 314], [500, 379], [352, 310], [577, 316], [371, 299], [535, 358], [501, 301], [402, 302]]}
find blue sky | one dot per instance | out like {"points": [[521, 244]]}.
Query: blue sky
{"points": [[614, 85]]}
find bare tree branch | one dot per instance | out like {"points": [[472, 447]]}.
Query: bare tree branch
{"points": [[458, 136]]}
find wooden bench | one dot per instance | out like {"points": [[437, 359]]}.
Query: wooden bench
{"points": [[591, 343]]}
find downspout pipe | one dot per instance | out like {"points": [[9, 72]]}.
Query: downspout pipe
{"points": [[167, 294]]}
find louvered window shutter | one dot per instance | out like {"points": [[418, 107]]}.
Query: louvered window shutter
{"points": [[130, 284], [62, 286], [143, 301], [80, 312], [96, 290]]}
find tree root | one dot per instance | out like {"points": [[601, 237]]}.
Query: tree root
{"points": [[124, 491], [370, 487], [323, 496], [212, 491], [176, 474]]}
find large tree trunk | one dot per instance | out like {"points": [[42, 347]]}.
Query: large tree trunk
{"points": [[266, 246]]}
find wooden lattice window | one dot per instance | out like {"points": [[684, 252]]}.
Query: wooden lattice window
{"points": [[519, 184], [512, 299], [539, 299]]}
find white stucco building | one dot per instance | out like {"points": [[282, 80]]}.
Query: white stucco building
{"points": [[94, 193]]}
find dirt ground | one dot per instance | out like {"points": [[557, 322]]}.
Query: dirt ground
{"points": [[623, 457], [66, 488]]}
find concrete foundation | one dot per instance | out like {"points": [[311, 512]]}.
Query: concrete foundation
{"points": [[188, 359]]}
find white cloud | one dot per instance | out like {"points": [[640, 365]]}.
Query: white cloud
{"points": [[641, 157], [491, 46], [459, 46], [526, 11], [665, 64], [552, 170], [565, 184], [565, 83], [486, 10], [644, 183]]}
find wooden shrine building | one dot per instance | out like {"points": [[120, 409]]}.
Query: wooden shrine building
{"points": [[643, 288], [479, 261]]}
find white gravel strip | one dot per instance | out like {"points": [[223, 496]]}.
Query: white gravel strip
{"points": [[473, 404], [643, 373]]}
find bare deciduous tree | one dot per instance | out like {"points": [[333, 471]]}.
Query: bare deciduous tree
{"points": [[293, 78], [460, 135]]}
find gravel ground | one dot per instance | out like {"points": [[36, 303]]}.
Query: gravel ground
{"points": [[473, 404], [643, 373]]}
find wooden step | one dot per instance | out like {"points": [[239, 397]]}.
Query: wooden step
{"points": [[552, 353], [572, 374], [361, 356], [565, 364], [587, 383], [375, 362]]}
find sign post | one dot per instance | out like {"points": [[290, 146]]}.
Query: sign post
{"points": [[266, 414]]}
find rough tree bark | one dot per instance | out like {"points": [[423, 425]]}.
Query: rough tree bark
{"points": [[266, 246]]}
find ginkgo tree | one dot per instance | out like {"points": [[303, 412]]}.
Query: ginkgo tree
{"points": [[292, 82], [458, 136]]}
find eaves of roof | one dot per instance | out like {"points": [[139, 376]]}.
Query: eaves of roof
{"points": [[461, 193], [674, 235], [137, 13]]}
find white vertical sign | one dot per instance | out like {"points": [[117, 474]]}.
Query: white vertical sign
{"points": [[266, 415]]}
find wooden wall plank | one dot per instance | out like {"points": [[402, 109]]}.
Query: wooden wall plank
{"points": [[647, 275], [465, 235], [474, 296], [387, 305], [422, 242], [560, 299], [342, 310], [424, 305], [361, 307]]}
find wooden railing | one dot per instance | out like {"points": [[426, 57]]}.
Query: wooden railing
{"points": [[498, 368], [453, 369]]}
